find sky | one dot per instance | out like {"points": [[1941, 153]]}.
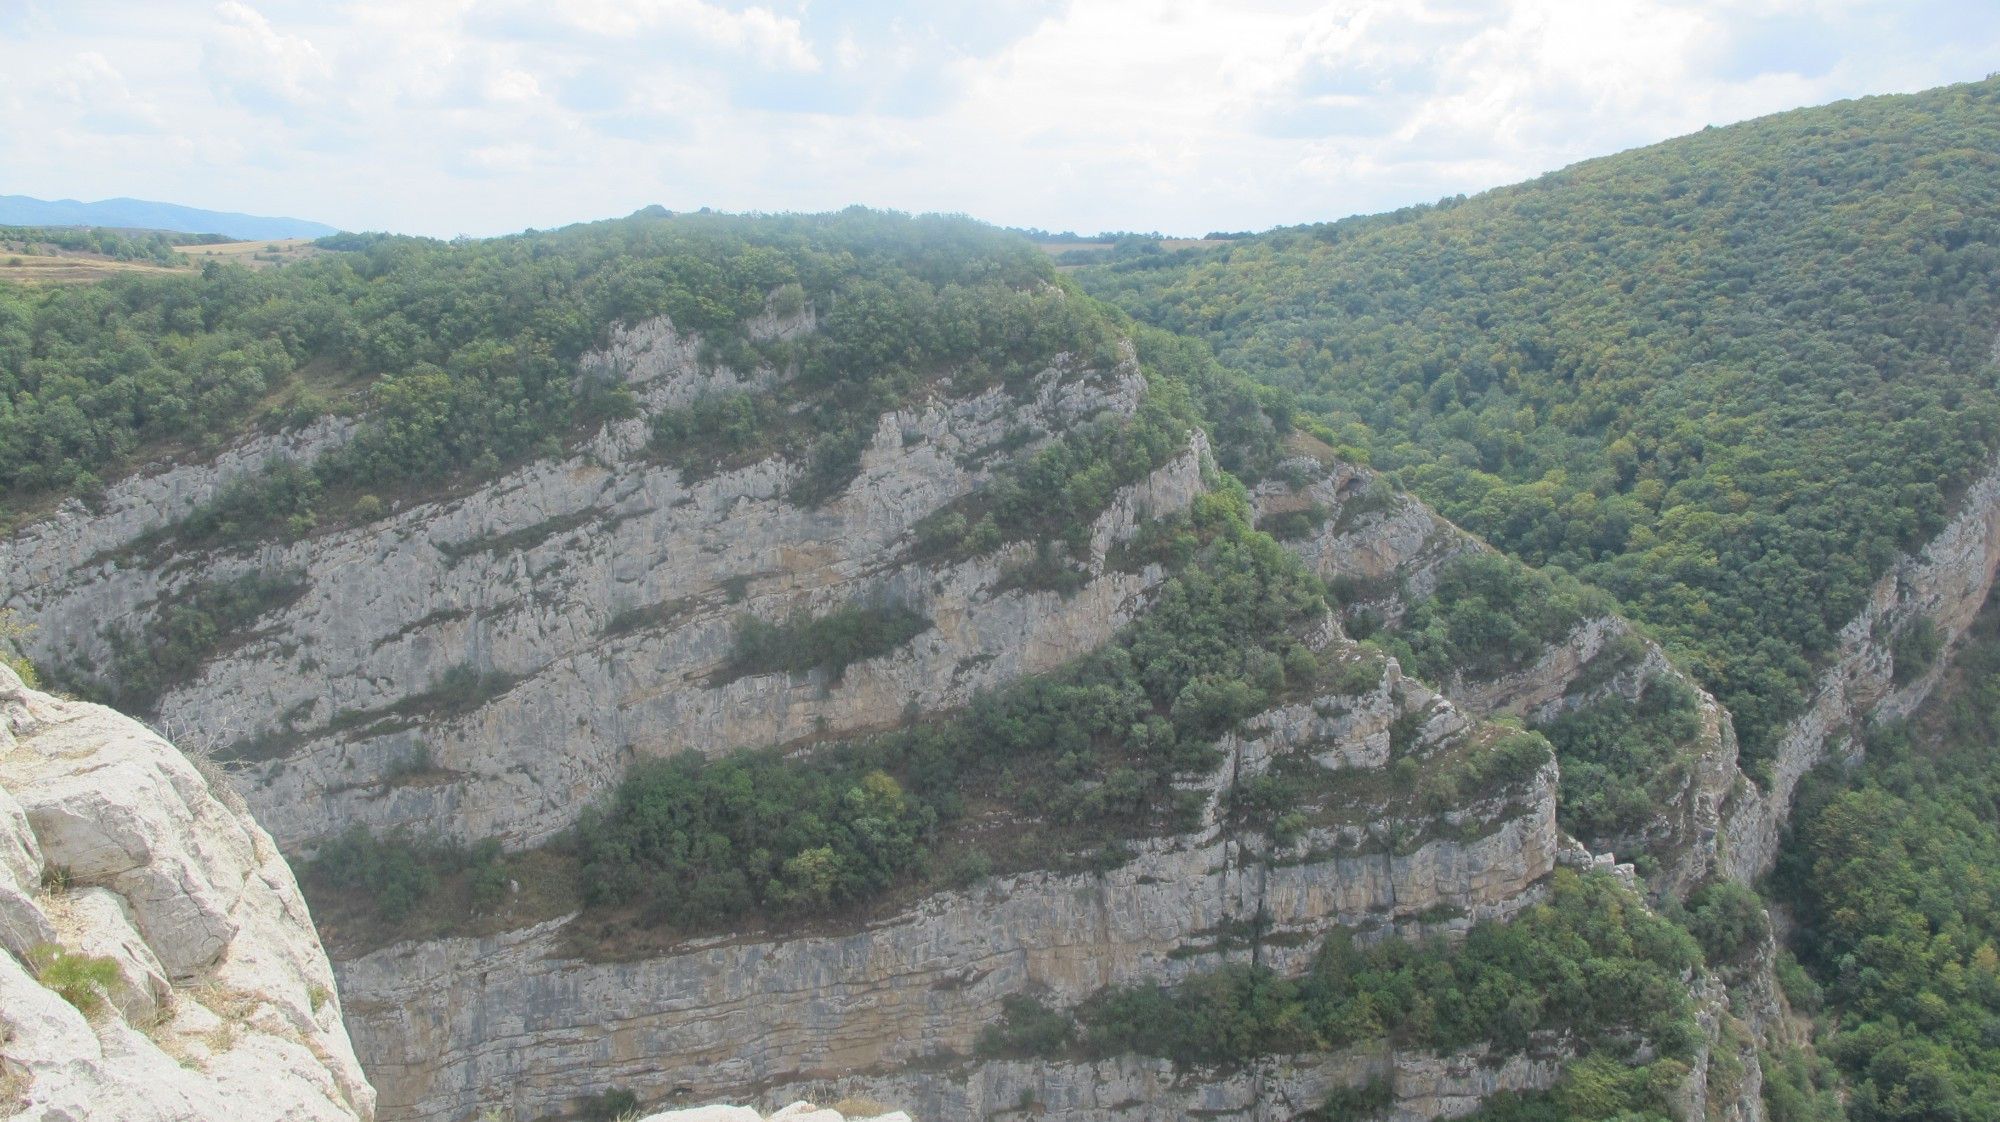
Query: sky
{"points": [[480, 117]]}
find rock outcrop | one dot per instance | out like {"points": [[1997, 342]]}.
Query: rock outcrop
{"points": [[1384, 551], [196, 986], [586, 605], [489, 663], [453, 1026]]}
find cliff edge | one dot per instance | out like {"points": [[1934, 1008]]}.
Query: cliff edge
{"points": [[160, 965]]}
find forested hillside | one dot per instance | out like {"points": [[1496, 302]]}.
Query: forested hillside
{"points": [[1725, 378], [462, 355]]}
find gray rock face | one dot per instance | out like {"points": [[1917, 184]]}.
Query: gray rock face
{"points": [[1389, 551], [452, 1026], [1720, 822], [221, 1004], [1386, 551], [76, 542], [1425, 1086], [1947, 580], [532, 586]]}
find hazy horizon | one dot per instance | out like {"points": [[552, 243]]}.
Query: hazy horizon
{"points": [[489, 116]]}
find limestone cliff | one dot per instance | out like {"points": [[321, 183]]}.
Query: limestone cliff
{"points": [[217, 1003], [1426, 1086], [1384, 550], [453, 1026], [591, 599], [846, 1110]]}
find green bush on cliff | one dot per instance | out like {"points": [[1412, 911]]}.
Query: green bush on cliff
{"points": [[828, 643], [168, 649], [1489, 616], [1589, 961], [81, 979], [1054, 495], [11, 634], [397, 873], [1623, 760]]}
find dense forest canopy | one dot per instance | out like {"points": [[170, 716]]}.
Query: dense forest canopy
{"points": [[1725, 378]]}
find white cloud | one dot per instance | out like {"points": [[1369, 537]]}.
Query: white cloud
{"points": [[265, 70], [105, 101], [513, 85], [773, 40], [448, 116]]}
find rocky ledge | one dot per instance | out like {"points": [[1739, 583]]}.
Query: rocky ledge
{"points": [[159, 963]]}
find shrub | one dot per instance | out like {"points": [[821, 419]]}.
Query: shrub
{"points": [[697, 841], [1491, 615], [608, 1106], [828, 643], [82, 980], [1916, 649], [394, 871], [1366, 1101], [1026, 1028], [11, 633], [1621, 760], [172, 646], [1727, 919]]}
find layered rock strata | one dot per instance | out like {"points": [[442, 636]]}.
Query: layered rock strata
{"points": [[210, 998], [797, 1111], [1423, 1086], [1385, 550], [456, 1025], [593, 600], [583, 608]]}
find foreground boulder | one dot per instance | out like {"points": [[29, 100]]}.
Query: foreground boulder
{"points": [[157, 963]]}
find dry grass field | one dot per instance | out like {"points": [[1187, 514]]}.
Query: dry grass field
{"points": [[257, 255], [46, 266], [70, 268]]}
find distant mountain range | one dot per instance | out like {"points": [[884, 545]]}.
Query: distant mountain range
{"points": [[20, 210]]}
